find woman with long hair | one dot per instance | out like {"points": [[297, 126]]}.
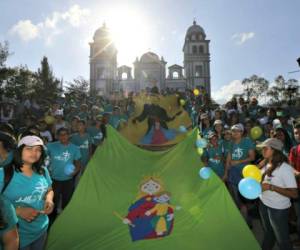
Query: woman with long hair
{"points": [[27, 185], [278, 188]]}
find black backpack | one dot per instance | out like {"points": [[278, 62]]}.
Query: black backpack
{"points": [[8, 175]]}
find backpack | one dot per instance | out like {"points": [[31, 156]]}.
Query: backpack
{"points": [[8, 175]]}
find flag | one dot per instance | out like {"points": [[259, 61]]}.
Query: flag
{"points": [[133, 199]]}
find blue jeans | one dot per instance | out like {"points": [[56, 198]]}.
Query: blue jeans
{"points": [[276, 228], [297, 210], [38, 244]]}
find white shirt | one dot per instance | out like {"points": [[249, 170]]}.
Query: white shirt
{"points": [[47, 134], [283, 177]]}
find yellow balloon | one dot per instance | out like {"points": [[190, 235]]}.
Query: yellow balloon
{"points": [[196, 92], [256, 132], [200, 151], [252, 171], [182, 102], [49, 119]]}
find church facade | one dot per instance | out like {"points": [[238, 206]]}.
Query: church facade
{"points": [[149, 70]]}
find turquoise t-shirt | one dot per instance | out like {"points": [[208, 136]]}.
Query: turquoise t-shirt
{"points": [[95, 134], [239, 151], [215, 157], [61, 155], [8, 160], [206, 131], [227, 146], [9, 215], [114, 120], [83, 115], [84, 143], [25, 191]]}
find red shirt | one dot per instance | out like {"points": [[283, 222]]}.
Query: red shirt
{"points": [[294, 158]]}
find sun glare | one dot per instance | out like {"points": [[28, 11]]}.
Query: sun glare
{"points": [[129, 33]]}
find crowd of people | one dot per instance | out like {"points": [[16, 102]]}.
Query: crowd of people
{"points": [[44, 150]]}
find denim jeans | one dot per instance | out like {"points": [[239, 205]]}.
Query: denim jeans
{"points": [[38, 244], [275, 226], [296, 204]]}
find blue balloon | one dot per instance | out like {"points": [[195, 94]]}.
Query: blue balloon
{"points": [[182, 129], [250, 188], [205, 173], [201, 143], [69, 169]]}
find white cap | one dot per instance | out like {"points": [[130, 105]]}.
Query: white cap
{"points": [[238, 126], [31, 140], [59, 112]]}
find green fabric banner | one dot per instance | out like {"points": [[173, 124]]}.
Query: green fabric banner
{"points": [[131, 198]]}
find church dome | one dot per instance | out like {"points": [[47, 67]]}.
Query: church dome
{"points": [[101, 33], [196, 30], [150, 57]]}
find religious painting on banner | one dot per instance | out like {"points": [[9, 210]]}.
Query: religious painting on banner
{"points": [[157, 121], [151, 216]]}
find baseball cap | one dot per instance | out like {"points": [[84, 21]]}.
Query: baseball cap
{"points": [[31, 140], [211, 134], [218, 122], [238, 126], [272, 143], [59, 112]]}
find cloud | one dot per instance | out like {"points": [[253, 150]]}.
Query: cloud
{"points": [[226, 92], [241, 38], [25, 30], [51, 26]]}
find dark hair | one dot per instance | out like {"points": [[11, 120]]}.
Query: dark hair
{"points": [[277, 159], [82, 122], [17, 162], [3, 222], [63, 129], [287, 139]]}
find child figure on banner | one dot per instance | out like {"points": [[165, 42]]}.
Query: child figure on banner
{"points": [[164, 214]]}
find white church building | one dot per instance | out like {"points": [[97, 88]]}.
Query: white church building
{"points": [[149, 70]]}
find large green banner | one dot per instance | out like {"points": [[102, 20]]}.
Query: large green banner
{"points": [[131, 198]]}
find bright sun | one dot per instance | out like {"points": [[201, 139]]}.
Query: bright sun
{"points": [[129, 33]]}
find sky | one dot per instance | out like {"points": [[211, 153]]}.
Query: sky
{"points": [[246, 37]]}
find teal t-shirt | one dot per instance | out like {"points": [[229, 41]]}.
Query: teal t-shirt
{"points": [[25, 191], [239, 151], [227, 146], [83, 115], [206, 131], [114, 121], [61, 155], [83, 143], [215, 157], [8, 160], [95, 134], [9, 216]]}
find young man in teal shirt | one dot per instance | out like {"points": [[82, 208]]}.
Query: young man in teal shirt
{"points": [[62, 153], [241, 153], [84, 142], [213, 155]]}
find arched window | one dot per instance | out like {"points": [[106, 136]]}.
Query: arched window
{"points": [[175, 75], [194, 49], [100, 73], [201, 49], [198, 70], [124, 76]]}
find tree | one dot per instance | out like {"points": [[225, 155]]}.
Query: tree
{"points": [[284, 91], [255, 86], [4, 53], [19, 83], [79, 88], [48, 87]]}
